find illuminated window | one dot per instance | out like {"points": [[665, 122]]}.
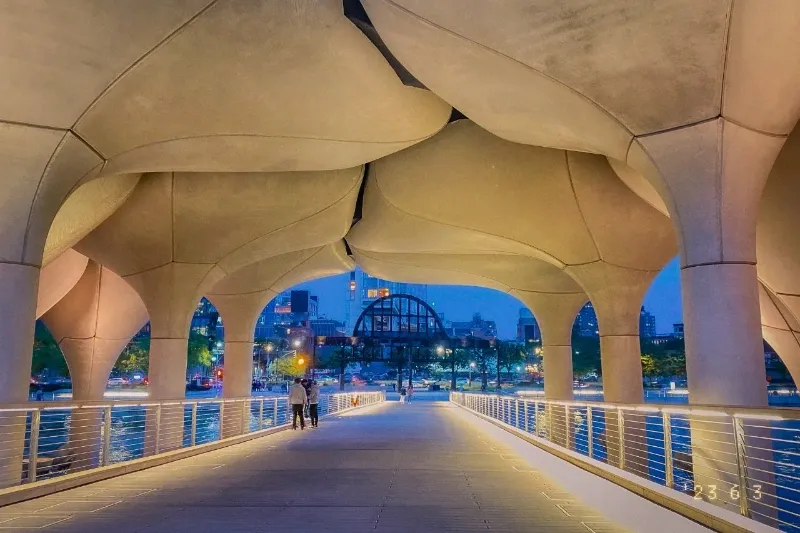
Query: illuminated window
{"points": [[352, 285], [383, 293], [372, 293]]}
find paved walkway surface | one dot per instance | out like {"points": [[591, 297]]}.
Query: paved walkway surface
{"points": [[386, 468]]}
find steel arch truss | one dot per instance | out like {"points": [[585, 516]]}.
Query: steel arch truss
{"points": [[400, 319]]}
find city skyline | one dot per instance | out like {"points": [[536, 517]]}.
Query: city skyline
{"points": [[459, 302]]}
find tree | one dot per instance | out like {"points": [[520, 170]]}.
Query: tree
{"points": [[135, 357], [46, 353], [199, 353], [289, 366], [585, 355], [650, 367], [509, 355]]}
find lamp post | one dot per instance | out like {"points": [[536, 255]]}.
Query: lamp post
{"points": [[471, 368]]}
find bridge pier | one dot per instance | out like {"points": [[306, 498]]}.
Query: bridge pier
{"points": [[239, 314], [92, 324], [711, 176]]}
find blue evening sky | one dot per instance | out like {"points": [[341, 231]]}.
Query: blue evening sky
{"points": [[459, 302]]}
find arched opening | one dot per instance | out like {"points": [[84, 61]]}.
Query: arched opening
{"points": [[131, 367], [50, 376]]}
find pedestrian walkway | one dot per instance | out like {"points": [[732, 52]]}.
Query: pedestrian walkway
{"points": [[388, 468]]}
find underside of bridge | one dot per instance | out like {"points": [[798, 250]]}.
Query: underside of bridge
{"points": [[154, 152]]}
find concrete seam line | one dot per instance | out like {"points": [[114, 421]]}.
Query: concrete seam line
{"points": [[47, 487], [700, 516]]}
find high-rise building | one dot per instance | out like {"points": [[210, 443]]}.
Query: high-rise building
{"points": [[527, 327], [206, 320], [288, 309], [647, 324], [364, 289], [677, 330], [586, 322]]}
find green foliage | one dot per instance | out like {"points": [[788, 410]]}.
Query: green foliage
{"points": [[288, 366], [649, 366], [585, 355], [509, 355], [46, 353], [135, 357], [199, 353]]}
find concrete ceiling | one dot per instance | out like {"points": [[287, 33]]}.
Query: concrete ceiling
{"points": [[210, 145]]}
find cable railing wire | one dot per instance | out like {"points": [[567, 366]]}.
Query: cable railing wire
{"points": [[745, 460], [48, 440]]}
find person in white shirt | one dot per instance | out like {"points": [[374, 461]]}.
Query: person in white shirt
{"points": [[313, 404], [298, 398]]}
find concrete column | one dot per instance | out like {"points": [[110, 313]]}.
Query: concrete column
{"points": [[92, 323], [39, 168], [616, 294], [17, 318], [239, 313], [555, 313], [171, 293], [711, 176]]}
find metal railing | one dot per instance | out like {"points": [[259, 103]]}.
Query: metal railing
{"points": [[744, 460], [47, 439]]}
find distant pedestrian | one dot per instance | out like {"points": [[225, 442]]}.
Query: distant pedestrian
{"points": [[403, 395], [306, 383], [313, 404], [298, 398], [410, 392]]}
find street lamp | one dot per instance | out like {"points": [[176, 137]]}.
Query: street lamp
{"points": [[440, 350], [471, 368], [297, 343], [537, 351]]}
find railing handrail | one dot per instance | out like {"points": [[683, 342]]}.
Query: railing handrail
{"points": [[744, 460], [47, 405], [771, 413]]}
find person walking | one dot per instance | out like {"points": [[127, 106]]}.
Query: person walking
{"points": [[313, 404], [306, 383], [402, 395], [298, 398], [410, 393]]}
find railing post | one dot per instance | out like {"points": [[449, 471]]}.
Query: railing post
{"points": [[527, 418], [261, 414], [158, 429], [536, 416], [107, 436], [518, 422], [549, 407], [667, 423], [589, 431], [567, 426], [621, 425], [247, 406], [741, 465], [193, 437], [221, 417], [275, 414], [33, 445]]}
